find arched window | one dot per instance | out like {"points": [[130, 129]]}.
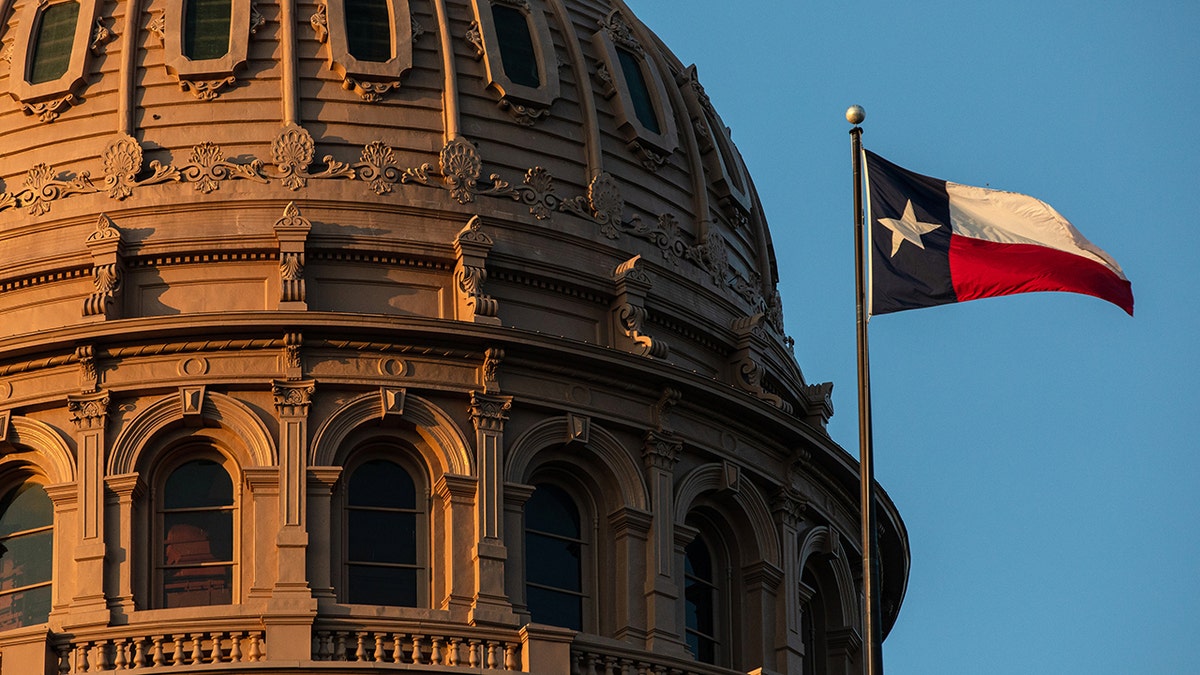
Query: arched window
{"points": [[555, 549], [813, 628], [53, 39], [368, 30], [206, 25], [197, 560], [701, 601], [385, 525], [26, 541]]}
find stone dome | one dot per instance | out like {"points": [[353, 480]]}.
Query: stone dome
{"points": [[512, 236]]}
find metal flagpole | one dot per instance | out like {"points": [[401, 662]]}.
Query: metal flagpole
{"points": [[872, 629]]}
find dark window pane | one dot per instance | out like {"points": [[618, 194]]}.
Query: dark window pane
{"points": [[555, 608], [700, 606], [552, 562], [198, 483], [383, 536], [551, 510], [198, 537], [394, 586], [206, 28], [198, 586], [25, 508], [635, 80], [382, 483], [516, 45], [52, 42], [25, 560], [369, 29], [24, 608], [704, 648], [697, 561]]}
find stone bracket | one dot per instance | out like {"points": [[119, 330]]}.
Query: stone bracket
{"points": [[632, 284], [108, 271], [291, 231], [471, 248]]}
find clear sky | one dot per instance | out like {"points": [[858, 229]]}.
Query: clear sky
{"points": [[1040, 447]]}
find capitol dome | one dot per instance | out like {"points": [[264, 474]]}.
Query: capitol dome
{"points": [[428, 335]]}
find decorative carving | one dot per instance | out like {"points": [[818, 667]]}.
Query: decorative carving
{"points": [[632, 283], [491, 369], [651, 159], [7, 54], [471, 246], [122, 162], [107, 268], [158, 26], [524, 114], [619, 30], [89, 411], [578, 429], [749, 290], [377, 166], [89, 378], [320, 23], [607, 206], [370, 92], [206, 90], [661, 450], [191, 399], [292, 397], [257, 20], [460, 166], [392, 401], [819, 400], [489, 412], [100, 35], [292, 231], [292, 151], [5, 420], [474, 38], [774, 313], [712, 254], [207, 167], [41, 188], [658, 412], [292, 362], [731, 476], [539, 194]]}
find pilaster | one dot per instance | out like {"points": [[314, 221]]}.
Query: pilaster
{"points": [[491, 604], [660, 454], [89, 413], [126, 490], [291, 590]]}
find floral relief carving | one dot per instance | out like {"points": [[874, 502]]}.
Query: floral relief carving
{"points": [[100, 35], [377, 166], [41, 188], [292, 151], [48, 111], [207, 167], [370, 92], [525, 115], [320, 23], [206, 90], [619, 30], [122, 162], [474, 38], [604, 199], [461, 166]]}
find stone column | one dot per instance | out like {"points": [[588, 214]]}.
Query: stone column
{"points": [[292, 607], [321, 482], [490, 604], [89, 412], [660, 453], [789, 508], [126, 490]]}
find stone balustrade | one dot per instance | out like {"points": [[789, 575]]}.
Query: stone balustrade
{"points": [[117, 650], [588, 658], [437, 648]]}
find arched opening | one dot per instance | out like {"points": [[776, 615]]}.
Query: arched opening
{"points": [[26, 555]]}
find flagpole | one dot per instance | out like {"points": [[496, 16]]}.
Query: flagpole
{"points": [[872, 626]]}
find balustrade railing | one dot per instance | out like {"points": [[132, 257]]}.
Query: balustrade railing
{"points": [[606, 659], [430, 648], [133, 652]]}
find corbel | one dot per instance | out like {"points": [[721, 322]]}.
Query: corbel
{"points": [[745, 360], [632, 283], [291, 231], [471, 248], [107, 271]]}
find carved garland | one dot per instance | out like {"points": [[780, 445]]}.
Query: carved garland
{"points": [[460, 169]]}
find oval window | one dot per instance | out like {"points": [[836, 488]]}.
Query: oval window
{"points": [[206, 29], [53, 38], [368, 30]]}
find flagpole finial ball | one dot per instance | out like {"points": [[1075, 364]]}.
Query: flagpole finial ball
{"points": [[855, 114]]}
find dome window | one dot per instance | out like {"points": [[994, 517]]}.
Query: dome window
{"points": [[50, 55], [53, 39], [384, 525], [639, 91], [367, 30], [205, 42], [26, 543], [206, 28], [630, 79], [369, 42], [516, 45], [196, 520], [554, 549], [512, 39]]}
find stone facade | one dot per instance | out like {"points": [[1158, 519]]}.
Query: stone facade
{"points": [[290, 338]]}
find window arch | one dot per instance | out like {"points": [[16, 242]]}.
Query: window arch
{"points": [[26, 555], [385, 534], [556, 552], [702, 600], [197, 559]]}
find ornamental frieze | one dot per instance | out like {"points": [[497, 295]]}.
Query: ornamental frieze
{"points": [[459, 171]]}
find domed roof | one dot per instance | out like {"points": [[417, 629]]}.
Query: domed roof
{"points": [[525, 146]]}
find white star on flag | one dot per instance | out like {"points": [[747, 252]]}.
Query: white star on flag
{"points": [[907, 227]]}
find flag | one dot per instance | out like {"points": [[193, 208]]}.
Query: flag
{"points": [[935, 242]]}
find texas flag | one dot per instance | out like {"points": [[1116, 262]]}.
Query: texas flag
{"points": [[934, 242]]}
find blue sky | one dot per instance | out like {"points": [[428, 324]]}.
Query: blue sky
{"points": [[1040, 446]]}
